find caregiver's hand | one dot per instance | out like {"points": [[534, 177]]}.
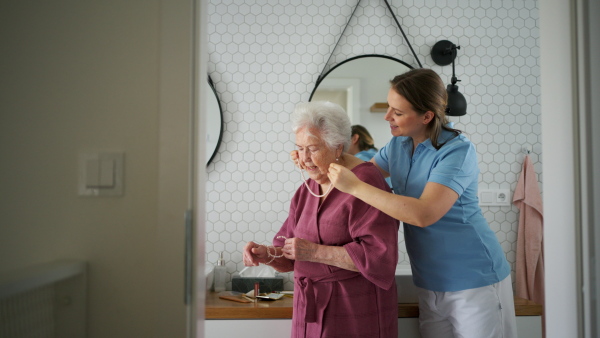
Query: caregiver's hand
{"points": [[299, 249], [342, 178]]}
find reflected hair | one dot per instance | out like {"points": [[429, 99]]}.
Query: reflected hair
{"points": [[365, 140], [329, 118], [425, 91]]}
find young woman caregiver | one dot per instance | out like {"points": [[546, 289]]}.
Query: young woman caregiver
{"points": [[458, 265]]}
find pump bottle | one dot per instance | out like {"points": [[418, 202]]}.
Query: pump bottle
{"points": [[220, 272]]}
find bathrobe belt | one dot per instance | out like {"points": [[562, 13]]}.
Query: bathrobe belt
{"points": [[307, 293]]}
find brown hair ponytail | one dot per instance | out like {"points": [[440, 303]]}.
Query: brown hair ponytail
{"points": [[365, 141]]}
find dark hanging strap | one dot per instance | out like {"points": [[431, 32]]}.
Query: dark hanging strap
{"points": [[336, 44], [405, 38], [348, 23]]}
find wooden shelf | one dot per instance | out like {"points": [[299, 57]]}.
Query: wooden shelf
{"points": [[379, 107], [217, 308]]}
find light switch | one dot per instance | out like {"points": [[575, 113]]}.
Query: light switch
{"points": [[487, 197], [106, 179], [92, 172], [101, 174]]}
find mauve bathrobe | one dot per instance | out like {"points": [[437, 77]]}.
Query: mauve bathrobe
{"points": [[333, 302]]}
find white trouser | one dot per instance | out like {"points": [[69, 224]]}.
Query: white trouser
{"points": [[488, 311]]}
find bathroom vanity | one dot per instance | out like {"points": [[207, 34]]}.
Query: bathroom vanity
{"points": [[266, 319]]}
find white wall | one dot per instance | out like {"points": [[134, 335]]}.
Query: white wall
{"points": [[175, 101], [558, 128], [594, 114], [81, 76]]}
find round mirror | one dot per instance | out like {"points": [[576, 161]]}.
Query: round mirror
{"points": [[360, 85], [214, 122]]}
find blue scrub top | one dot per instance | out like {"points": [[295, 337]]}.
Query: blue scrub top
{"points": [[366, 155], [459, 251]]}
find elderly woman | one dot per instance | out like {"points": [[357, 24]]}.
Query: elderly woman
{"points": [[343, 252]]}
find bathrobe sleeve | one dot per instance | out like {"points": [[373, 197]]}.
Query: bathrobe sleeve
{"points": [[374, 249], [300, 203]]}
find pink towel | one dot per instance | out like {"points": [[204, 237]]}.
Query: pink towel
{"points": [[530, 259]]}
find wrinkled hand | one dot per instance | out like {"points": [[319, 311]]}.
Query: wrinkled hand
{"points": [[299, 249], [254, 254], [342, 178], [296, 158]]}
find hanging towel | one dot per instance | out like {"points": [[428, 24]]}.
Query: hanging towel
{"points": [[530, 258]]}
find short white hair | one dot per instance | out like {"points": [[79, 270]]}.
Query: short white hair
{"points": [[329, 118]]}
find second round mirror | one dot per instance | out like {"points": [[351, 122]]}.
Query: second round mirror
{"points": [[360, 85]]}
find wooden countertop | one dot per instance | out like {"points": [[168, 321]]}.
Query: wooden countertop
{"points": [[217, 308]]}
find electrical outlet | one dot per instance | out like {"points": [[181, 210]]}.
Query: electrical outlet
{"points": [[494, 197]]}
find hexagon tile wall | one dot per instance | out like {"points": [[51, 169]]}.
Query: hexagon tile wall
{"points": [[265, 56]]}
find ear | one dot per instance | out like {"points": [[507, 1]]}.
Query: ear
{"points": [[428, 116], [354, 138]]}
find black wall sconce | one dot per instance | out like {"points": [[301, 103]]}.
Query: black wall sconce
{"points": [[443, 53]]}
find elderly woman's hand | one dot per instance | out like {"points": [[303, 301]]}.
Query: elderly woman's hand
{"points": [[254, 254], [299, 249], [342, 178]]}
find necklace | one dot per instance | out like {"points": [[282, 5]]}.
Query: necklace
{"points": [[310, 191]]}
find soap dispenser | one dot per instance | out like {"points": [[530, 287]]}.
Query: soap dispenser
{"points": [[220, 272]]}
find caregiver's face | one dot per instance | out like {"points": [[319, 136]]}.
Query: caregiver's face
{"points": [[315, 154], [403, 119]]}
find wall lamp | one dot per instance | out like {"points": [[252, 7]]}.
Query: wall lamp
{"points": [[443, 53]]}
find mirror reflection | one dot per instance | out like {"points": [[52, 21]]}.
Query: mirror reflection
{"points": [[360, 85], [214, 122]]}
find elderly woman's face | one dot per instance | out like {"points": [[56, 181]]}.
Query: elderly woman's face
{"points": [[315, 154]]}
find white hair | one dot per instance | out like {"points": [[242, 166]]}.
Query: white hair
{"points": [[329, 118]]}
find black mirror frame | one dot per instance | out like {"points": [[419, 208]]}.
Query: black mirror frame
{"points": [[212, 156], [323, 76]]}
